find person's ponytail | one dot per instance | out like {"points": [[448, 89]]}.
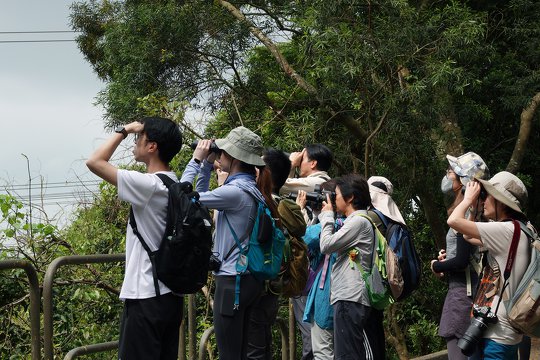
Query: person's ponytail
{"points": [[264, 184]]}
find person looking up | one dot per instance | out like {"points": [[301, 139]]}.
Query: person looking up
{"points": [[239, 155], [150, 322]]}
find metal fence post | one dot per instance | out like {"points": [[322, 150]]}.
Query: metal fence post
{"points": [[34, 300], [48, 290]]}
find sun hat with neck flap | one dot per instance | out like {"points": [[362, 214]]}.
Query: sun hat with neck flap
{"points": [[244, 145], [508, 189]]}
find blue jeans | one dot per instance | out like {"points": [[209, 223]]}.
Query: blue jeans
{"points": [[492, 350]]}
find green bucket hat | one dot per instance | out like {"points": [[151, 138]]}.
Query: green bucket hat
{"points": [[244, 145], [508, 189]]}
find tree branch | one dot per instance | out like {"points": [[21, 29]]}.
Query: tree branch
{"points": [[527, 116], [287, 68]]}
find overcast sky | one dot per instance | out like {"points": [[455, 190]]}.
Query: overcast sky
{"points": [[47, 91]]}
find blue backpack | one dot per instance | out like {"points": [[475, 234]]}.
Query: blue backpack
{"points": [[400, 240], [264, 251]]}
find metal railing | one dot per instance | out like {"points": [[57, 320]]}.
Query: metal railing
{"points": [[91, 349], [48, 282], [34, 300]]}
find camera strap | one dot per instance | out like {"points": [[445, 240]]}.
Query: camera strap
{"points": [[510, 260]]}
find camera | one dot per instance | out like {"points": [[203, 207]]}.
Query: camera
{"points": [[214, 264], [315, 198], [213, 147], [482, 318]]}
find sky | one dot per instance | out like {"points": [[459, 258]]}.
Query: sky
{"points": [[47, 111]]}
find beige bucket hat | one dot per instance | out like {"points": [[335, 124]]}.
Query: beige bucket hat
{"points": [[508, 189], [244, 145]]}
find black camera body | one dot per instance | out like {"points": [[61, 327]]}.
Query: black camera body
{"points": [[213, 147], [479, 323], [315, 198], [214, 264]]}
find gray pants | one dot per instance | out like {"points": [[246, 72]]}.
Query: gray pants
{"points": [[299, 305]]}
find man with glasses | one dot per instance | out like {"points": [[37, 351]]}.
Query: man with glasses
{"points": [[150, 324]]}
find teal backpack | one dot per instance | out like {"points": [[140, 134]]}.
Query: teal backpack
{"points": [[263, 253]]}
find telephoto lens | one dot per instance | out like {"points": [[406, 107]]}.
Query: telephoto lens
{"points": [[482, 318], [213, 148]]}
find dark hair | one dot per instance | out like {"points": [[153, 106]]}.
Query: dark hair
{"points": [[380, 185], [329, 185], [264, 184], [355, 186], [166, 134], [321, 154], [279, 165]]}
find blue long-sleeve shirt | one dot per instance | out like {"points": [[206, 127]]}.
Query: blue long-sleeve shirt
{"points": [[231, 200]]}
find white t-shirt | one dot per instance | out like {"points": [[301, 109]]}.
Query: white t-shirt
{"points": [[497, 237], [149, 197]]}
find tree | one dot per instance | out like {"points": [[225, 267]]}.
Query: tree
{"points": [[390, 86]]}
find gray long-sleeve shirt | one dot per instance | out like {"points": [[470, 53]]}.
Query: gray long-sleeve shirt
{"points": [[357, 232]]}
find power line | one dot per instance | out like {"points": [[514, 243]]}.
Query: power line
{"points": [[39, 32], [35, 41]]}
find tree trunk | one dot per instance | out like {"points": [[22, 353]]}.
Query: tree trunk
{"points": [[527, 116], [431, 211]]}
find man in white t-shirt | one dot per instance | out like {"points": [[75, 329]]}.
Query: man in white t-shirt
{"points": [[150, 322]]}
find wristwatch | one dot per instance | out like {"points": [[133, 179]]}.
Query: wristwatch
{"points": [[121, 130]]}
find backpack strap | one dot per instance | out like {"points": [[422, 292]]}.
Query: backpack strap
{"points": [[510, 260], [381, 216], [374, 245], [151, 254], [241, 265], [167, 181]]}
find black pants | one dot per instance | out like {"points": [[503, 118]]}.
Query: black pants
{"points": [[349, 326], [150, 327], [263, 316], [230, 325], [374, 329]]}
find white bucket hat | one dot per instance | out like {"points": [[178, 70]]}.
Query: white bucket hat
{"points": [[508, 189], [244, 145]]}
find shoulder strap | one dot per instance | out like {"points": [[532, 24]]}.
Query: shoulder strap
{"points": [[374, 240], [238, 242], [151, 255], [166, 180], [381, 216], [510, 260]]}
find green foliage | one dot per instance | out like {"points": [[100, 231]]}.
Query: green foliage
{"points": [[397, 85]]}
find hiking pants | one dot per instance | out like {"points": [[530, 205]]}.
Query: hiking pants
{"points": [[299, 305], [349, 325], [149, 328], [263, 316], [230, 325]]}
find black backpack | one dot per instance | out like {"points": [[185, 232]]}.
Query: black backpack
{"points": [[181, 262]]}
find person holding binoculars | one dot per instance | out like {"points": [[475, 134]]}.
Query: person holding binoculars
{"points": [[506, 197], [459, 262]]}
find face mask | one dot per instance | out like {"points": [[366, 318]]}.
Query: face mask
{"points": [[447, 186]]}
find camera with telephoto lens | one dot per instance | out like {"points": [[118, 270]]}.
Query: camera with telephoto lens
{"points": [[213, 147], [315, 198], [479, 323], [214, 264]]}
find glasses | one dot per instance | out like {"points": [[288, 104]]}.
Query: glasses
{"points": [[138, 136]]}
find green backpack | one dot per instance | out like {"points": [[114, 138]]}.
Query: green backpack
{"points": [[376, 277]]}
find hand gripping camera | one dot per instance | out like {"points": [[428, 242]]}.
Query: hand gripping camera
{"points": [[482, 318], [315, 198]]}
